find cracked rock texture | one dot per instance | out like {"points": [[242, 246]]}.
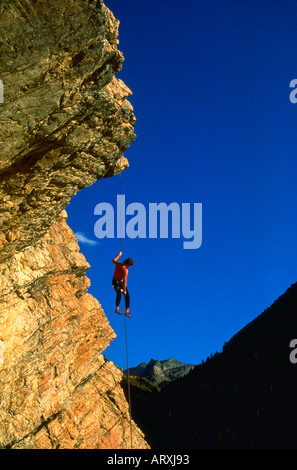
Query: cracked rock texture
{"points": [[65, 123]]}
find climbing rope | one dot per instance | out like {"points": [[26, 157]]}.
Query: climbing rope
{"points": [[120, 212], [128, 375], [126, 330]]}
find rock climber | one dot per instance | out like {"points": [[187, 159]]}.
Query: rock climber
{"points": [[119, 282]]}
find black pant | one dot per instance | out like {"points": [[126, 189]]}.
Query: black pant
{"points": [[118, 286]]}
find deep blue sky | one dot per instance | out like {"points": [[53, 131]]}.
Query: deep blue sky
{"points": [[210, 82]]}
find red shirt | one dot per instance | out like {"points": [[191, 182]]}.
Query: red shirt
{"points": [[120, 272]]}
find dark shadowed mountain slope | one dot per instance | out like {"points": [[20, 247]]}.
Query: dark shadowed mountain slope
{"points": [[244, 397]]}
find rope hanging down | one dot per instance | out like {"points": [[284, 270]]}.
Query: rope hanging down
{"points": [[126, 332], [120, 212], [128, 375]]}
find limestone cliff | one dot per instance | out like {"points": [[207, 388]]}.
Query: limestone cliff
{"points": [[65, 123]]}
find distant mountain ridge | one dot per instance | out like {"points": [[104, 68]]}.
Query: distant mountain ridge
{"points": [[161, 372]]}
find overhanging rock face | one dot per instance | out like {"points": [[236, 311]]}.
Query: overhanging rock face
{"points": [[65, 120], [65, 123]]}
